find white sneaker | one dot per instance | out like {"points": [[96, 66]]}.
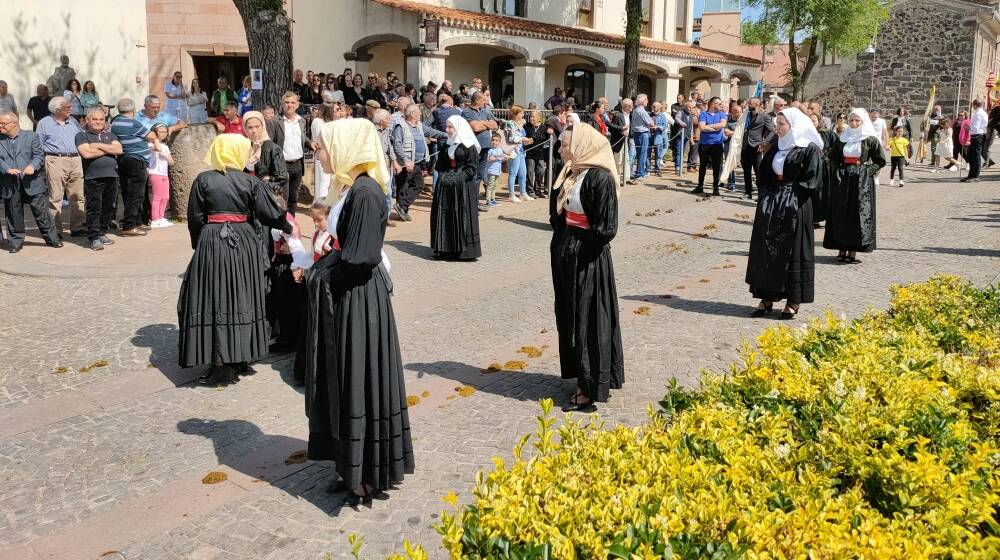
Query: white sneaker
{"points": [[902, 183], [155, 224], [934, 170], [513, 198], [953, 167], [527, 196], [892, 182]]}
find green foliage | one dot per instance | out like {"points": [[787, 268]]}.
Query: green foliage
{"points": [[875, 438], [845, 25]]}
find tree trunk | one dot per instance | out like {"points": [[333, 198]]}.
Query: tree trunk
{"points": [[633, 32], [793, 66], [269, 35], [188, 148], [811, 59]]}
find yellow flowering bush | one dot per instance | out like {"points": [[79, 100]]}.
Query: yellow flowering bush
{"points": [[875, 438]]}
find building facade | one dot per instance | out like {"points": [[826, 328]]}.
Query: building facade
{"points": [[523, 49]]}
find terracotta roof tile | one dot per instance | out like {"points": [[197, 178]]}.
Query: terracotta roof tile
{"points": [[506, 25]]}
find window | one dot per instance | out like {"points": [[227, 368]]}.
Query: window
{"points": [[585, 13], [581, 82], [830, 57], [501, 81], [645, 85], [715, 6], [647, 13], [680, 19], [516, 8]]}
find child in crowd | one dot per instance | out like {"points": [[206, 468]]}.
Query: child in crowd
{"points": [[494, 160], [302, 260], [944, 150], [159, 182], [898, 146]]}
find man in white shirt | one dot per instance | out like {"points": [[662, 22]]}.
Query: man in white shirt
{"points": [[978, 131], [878, 123], [291, 136]]}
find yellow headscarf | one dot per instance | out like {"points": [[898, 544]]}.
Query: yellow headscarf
{"points": [[353, 147], [228, 151], [589, 149]]}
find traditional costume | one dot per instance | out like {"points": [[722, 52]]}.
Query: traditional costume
{"points": [[821, 201], [220, 310], [781, 263], [584, 216], [454, 209], [355, 395], [857, 158]]}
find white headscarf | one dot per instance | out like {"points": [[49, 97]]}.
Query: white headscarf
{"points": [[463, 135], [572, 119], [802, 131], [855, 135]]}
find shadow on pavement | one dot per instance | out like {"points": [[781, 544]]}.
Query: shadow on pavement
{"points": [[522, 385], [269, 461], [698, 306], [541, 226], [161, 339], [961, 251], [688, 233], [411, 248]]}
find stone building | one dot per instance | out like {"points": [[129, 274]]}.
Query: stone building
{"points": [[949, 42]]}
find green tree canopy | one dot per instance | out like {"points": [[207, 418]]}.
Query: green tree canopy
{"points": [[846, 26]]}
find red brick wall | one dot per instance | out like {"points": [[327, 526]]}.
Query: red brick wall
{"points": [[178, 27]]}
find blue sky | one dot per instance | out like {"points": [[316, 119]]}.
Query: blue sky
{"points": [[698, 6]]}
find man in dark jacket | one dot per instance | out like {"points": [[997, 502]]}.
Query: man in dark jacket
{"points": [[758, 135], [23, 181], [678, 142]]}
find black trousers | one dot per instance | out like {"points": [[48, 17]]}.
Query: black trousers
{"points": [[750, 162], [295, 170], [408, 186], [99, 196], [896, 162], [975, 155], [14, 212], [710, 154], [133, 175], [987, 144], [537, 176]]}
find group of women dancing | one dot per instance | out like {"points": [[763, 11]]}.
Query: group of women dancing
{"points": [[810, 176], [348, 353]]}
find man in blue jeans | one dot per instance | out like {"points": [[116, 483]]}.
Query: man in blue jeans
{"points": [[678, 132], [641, 124], [711, 123]]}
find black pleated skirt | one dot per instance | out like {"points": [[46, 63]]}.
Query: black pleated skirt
{"points": [[455, 217], [781, 265], [586, 306], [850, 223], [285, 299], [355, 393], [221, 310]]}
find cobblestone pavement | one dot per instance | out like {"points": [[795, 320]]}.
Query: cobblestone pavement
{"points": [[112, 458]]}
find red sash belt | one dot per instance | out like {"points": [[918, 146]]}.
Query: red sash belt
{"points": [[781, 178], [336, 244], [223, 217], [851, 160], [577, 220]]}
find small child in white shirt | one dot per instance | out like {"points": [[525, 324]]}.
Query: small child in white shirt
{"points": [[159, 182]]}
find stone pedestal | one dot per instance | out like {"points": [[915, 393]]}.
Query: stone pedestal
{"points": [[188, 148]]}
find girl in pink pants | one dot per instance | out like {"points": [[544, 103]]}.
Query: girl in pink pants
{"points": [[158, 181]]}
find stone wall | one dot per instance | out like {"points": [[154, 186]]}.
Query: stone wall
{"points": [[923, 42]]}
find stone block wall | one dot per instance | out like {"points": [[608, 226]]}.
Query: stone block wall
{"points": [[923, 42]]}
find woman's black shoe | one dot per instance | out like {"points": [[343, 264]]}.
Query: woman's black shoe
{"points": [[574, 406], [760, 312], [218, 375], [786, 315], [852, 260]]}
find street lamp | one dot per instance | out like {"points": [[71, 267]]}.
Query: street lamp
{"points": [[871, 50]]}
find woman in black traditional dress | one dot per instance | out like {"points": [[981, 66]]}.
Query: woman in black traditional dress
{"points": [[583, 211], [355, 396], [781, 264], [220, 311], [822, 194], [856, 157], [454, 209]]}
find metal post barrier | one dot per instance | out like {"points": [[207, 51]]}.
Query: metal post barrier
{"points": [[624, 158], [679, 168], [548, 171]]}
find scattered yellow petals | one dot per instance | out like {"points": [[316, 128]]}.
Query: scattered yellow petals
{"points": [[642, 310], [492, 368], [215, 477], [704, 280], [298, 457], [61, 369], [425, 394], [710, 227], [515, 365], [412, 400], [531, 351], [465, 390], [97, 364]]}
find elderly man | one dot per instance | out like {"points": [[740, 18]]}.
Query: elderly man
{"points": [[298, 86], [777, 107], [7, 104], [411, 152], [222, 95], [483, 124], [383, 124], [642, 124], [679, 141], [61, 76], [152, 115], [23, 182], [99, 148], [132, 166], [621, 124], [427, 108], [38, 106], [63, 171]]}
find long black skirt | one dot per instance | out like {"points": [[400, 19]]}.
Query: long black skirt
{"points": [[355, 394], [590, 342], [850, 223], [821, 196], [285, 300], [221, 310], [782, 264], [455, 217]]}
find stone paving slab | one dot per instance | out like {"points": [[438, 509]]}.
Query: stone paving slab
{"points": [[92, 467]]}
